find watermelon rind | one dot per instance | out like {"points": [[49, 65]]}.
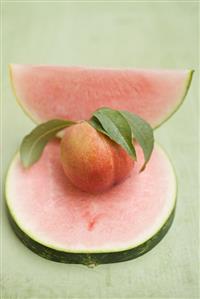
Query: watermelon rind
{"points": [[26, 112], [179, 103], [92, 257], [168, 115]]}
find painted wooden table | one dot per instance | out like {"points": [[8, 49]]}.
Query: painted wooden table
{"points": [[157, 34]]}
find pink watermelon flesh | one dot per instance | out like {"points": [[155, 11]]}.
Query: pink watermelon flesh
{"points": [[47, 92], [50, 210]]}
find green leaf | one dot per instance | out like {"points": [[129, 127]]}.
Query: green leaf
{"points": [[142, 132], [33, 144], [95, 123], [117, 128]]}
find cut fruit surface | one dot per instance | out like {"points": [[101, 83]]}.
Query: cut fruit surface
{"points": [[61, 223], [47, 92]]}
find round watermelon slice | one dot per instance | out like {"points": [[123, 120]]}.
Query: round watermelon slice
{"points": [[61, 223], [47, 92]]}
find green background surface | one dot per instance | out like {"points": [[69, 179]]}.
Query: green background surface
{"points": [[112, 34]]}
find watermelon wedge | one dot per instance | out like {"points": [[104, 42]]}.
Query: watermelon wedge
{"points": [[61, 223], [47, 92]]}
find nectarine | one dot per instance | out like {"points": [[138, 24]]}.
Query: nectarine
{"points": [[91, 160]]}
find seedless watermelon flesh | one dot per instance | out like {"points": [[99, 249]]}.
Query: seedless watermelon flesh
{"points": [[47, 92], [63, 224]]}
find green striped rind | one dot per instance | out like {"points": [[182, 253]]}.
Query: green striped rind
{"points": [[91, 259]]}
